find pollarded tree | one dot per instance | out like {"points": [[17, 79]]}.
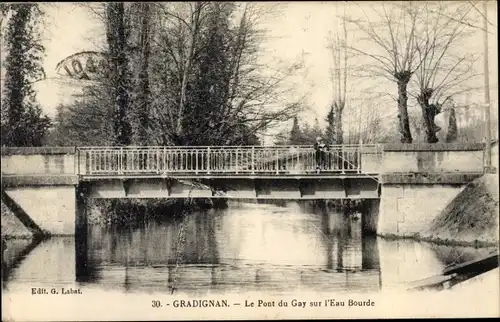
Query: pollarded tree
{"points": [[23, 123], [445, 68], [391, 45]]}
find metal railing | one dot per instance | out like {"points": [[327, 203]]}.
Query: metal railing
{"points": [[165, 160]]}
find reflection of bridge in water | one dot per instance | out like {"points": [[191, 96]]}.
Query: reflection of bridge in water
{"points": [[233, 250]]}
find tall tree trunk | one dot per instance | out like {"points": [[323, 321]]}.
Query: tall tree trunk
{"points": [[403, 79], [119, 76], [144, 89], [429, 112], [339, 134], [187, 70]]}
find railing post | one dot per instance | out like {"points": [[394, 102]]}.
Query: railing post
{"points": [[252, 161], [157, 161], [77, 160], [164, 170], [196, 160], [236, 162], [359, 155], [120, 161], [208, 160], [342, 159], [90, 161], [277, 161]]}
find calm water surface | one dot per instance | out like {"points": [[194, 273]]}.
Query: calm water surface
{"points": [[247, 247]]}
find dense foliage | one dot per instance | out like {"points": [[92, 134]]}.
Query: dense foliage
{"points": [[179, 74], [23, 123]]}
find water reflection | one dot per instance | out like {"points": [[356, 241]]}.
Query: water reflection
{"points": [[13, 253], [247, 247]]}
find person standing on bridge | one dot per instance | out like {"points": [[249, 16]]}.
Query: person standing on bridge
{"points": [[321, 154]]}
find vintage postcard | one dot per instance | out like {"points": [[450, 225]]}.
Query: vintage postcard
{"points": [[249, 160]]}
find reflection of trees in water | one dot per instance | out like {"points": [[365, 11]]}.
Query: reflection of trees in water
{"points": [[155, 242], [144, 256]]}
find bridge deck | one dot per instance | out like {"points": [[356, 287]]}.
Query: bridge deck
{"points": [[187, 175]]}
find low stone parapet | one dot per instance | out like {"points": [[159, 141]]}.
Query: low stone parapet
{"points": [[38, 160], [433, 158]]}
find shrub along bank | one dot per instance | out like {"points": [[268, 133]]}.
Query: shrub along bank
{"points": [[125, 211]]}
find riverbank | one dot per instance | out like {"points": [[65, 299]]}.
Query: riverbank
{"points": [[470, 219]]}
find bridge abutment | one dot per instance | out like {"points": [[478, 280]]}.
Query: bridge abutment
{"points": [[52, 208], [42, 183], [419, 180], [405, 210]]}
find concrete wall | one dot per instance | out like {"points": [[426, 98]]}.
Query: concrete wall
{"points": [[432, 158], [25, 161], [405, 209], [52, 208]]}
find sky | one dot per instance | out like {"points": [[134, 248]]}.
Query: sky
{"points": [[300, 31]]}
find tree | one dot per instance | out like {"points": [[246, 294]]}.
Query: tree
{"points": [[452, 134], [117, 35], [23, 123], [226, 85], [295, 133], [316, 129], [338, 48], [196, 80], [142, 102], [444, 67], [330, 132], [394, 50]]}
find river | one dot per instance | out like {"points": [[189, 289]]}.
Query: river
{"points": [[246, 247]]}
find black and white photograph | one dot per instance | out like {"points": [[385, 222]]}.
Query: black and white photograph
{"points": [[249, 160]]}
